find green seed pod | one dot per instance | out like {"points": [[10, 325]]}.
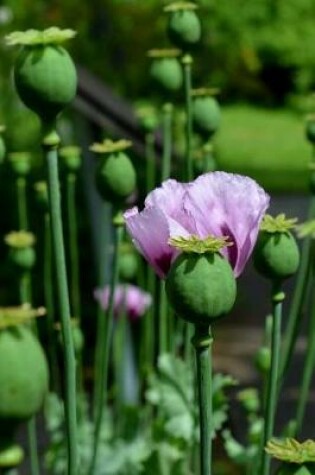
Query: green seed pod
{"points": [[23, 376], [206, 113], [166, 72], [77, 335], [22, 253], [184, 28], [295, 469], [276, 254], [44, 73], [21, 163], [263, 359], [71, 157], [249, 400], [115, 174], [201, 287], [128, 263], [147, 117], [310, 129]]}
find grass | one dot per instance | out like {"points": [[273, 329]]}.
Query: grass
{"points": [[265, 144]]}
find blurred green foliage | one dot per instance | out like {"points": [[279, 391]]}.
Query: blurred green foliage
{"points": [[262, 50]]}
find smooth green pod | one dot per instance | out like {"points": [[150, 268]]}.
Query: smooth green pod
{"points": [[166, 74], [206, 115], [23, 258], [184, 28], [201, 287], [276, 255], [46, 79], [23, 376], [115, 177]]}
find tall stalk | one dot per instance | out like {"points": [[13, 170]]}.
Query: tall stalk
{"points": [[167, 140], [106, 331], [21, 201], [187, 62], [50, 144], [73, 246], [202, 342], [271, 401]]}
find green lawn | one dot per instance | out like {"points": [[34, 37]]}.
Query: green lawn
{"points": [[266, 145]]}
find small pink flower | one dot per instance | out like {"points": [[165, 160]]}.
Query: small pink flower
{"points": [[218, 203], [127, 298]]}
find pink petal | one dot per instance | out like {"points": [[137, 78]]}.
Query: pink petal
{"points": [[225, 204], [150, 232]]}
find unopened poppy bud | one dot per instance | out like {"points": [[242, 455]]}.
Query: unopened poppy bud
{"points": [[184, 28], [206, 112], [115, 173], [276, 255], [128, 262], [44, 73], [166, 71], [263, 359], [21, 163], [71, 158], [27, 373], [200, 285], [22, 253]]}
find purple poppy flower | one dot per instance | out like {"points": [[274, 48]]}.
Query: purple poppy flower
{"points": [[225, 204], [129, 298], [218, 204], [162, 218]]}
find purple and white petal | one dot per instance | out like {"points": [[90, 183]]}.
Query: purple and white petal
{"points": [[226, 204]]}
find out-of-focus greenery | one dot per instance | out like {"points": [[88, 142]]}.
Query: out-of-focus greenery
{"points": [[263, 50], [265, 144]]}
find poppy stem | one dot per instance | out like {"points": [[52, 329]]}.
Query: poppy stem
{"points": [[271, 398], [50, 143], [294, 320], [150, 161], [167, 140], [21, 201], [106, 332], [187, 62], [202, 342], [49, 303], [308, 370], [73, 246]]}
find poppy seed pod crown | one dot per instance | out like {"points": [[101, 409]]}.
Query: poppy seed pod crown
{"points": [[44, 73], [200, 285], [276, 255]]}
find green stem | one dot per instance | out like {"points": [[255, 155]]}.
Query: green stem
{"points": [[50, 143], [209, 161], [202, 342], [100, 314], [49, 303], [148, 326], [308, 370], [294, 320], [73, 246], [167, 140], [26, 298], [271, 405], [162, 323], [150, 161], [187, 62], [21, 201], [106, 331]]}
